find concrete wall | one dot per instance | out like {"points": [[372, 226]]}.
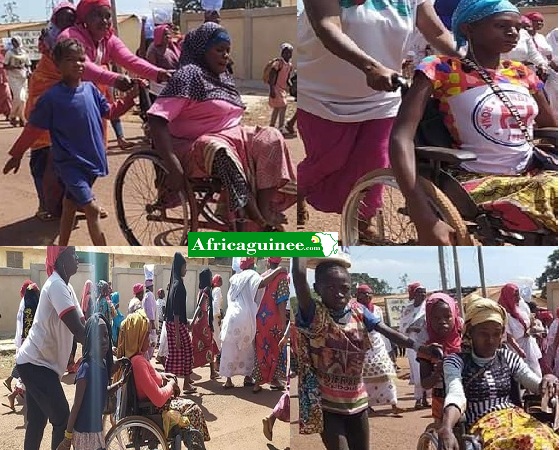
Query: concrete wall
{"points": [[256, 35]]}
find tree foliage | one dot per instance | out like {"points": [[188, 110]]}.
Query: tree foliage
{"points": [[551, 271], [379, 286], [10, 15]]}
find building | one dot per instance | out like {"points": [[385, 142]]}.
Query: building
{"points": [[129, 28]]}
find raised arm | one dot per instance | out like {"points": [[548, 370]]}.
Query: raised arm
{"points": [[432, 28], [270, 277], [325, 19], [120, 54], [302, 291], [430, 229]]}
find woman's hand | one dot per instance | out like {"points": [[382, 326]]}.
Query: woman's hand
{"points": [[381, 78], [283, 342], [438, 234], [447, 440], [163, 76], [12, 164], [64, 445], [123, 83]]}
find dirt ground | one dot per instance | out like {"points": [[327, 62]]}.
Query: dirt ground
{"points": [[387, 431], [18, 225], [234, 416]]}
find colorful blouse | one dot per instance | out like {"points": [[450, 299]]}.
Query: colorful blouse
{"points": [[335, 347], [477, 119]]}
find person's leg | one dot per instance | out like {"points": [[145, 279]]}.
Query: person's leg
{"points": [[281, 120], [290, 125], [69, 209], [38, 165], [44, 399], [334, 434], [93, 218], [119, 133], [275, 113], [357, 431]]}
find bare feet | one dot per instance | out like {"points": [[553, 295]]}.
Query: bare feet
{"points": [[124, 144], [228, 384], [267, 427]]}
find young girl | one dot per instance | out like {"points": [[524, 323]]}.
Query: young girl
{"points": [[444, 327], [334, 339], [85, 425]]}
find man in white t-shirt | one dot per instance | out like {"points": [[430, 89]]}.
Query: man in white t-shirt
{"points": [[43, 356]]}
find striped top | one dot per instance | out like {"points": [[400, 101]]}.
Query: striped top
{"points": [[479, 386], [337, 349]]}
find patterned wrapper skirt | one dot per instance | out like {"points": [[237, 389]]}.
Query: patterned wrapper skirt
{"points": [[88, 441], [514, 429], [179, 361]]}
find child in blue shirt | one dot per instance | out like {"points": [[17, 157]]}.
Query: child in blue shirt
{"points": [[73, 112]]}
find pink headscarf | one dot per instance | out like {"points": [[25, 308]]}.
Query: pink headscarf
{"points": [[533, 16], [85, 7], [159, 33], [274, 260], [525, 20], [86, 294], [216, 279], [246, 263], [412, 288], [507, 300], [138, 287], [453, 341], [53, 252], [61, 6]]}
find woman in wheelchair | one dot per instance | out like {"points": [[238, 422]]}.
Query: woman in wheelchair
{"points": [[196, 127], [489, 107], [478, 385], [161, 389]]}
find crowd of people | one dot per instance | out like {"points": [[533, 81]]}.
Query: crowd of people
{"points": [[467, 365], [194, 123], [160, 338], [463, 54]]}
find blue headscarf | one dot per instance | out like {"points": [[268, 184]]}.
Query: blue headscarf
{"points": [[115, 298], [469, 11]]}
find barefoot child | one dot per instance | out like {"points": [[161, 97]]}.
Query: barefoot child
{"points": [[444, 327], [73, 112], [333, 342], [85, 424]]}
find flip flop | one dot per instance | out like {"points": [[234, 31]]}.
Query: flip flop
{"points": [[9, 407], [248, 383], [192, 390], [275, 387], [8, 387], [266, 428], [256, 389], [215, 377]]}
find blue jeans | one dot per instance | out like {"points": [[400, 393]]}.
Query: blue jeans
{"points": [[117, 127]]}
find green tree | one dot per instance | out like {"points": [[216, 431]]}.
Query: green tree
{"points": [[10, 15], [551, 272], [379, 286], [404, 281]]}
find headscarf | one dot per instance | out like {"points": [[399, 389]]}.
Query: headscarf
{"points": [[53, 253], [133, 331], [275, 260], [205, 285], [102, 286], [92, 338], [86, 295], [194, 80], [159, 33], [246, 263], [481, 310], [60, 7], [525, 20], [534, 16], [469, 11], [159, 292], [85, 7], [412, 288], [177, 291], [19, 50], [507, 300], [453, 341], [364, 289], [24, 287], [286, 46], [137, 288], [216, 279], [115, 298], [134, 305]]}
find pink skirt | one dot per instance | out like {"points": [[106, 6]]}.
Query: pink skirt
{"points": [[337, 155]]}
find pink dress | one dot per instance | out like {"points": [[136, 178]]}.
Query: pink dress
{"points": [[280, 89], [200, 128]]}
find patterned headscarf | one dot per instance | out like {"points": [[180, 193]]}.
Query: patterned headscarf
{"points": [[194, 80], [469, 11], [453, 341]]}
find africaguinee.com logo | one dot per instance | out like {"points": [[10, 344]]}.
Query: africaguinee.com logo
{"points": [[303, 244]]}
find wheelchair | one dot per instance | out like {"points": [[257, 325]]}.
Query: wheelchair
{"points": [[450, 201], [148, 213], [531, 403], [139, 425]]}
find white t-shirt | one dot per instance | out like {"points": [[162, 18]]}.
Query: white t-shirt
{"points": [[542, 45], [49, 342], [217, 303], [525, 50], [552, 41], [332, 88]]}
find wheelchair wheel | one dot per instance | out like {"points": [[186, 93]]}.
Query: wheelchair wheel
{"points": [[392, 224], [428, 441], [135, 432], [149, 213]]}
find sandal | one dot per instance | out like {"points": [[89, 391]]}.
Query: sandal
{"points": [[248, 383], [103, 213], [256, 389], [267, 428], [228, 386], [277, 387], [13, 408], [45, 216], [192, 390]]}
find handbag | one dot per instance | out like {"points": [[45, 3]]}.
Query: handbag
{"points": [[540, 159]]}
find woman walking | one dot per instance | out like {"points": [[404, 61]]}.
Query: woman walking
{"points": [[17, 64]]}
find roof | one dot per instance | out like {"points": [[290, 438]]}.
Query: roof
{"points": [[7, 27]]}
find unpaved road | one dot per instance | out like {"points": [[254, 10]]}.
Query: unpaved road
{"points": [[234, 416]]}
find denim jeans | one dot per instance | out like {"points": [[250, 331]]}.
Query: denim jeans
{"points": [[44, 399]]}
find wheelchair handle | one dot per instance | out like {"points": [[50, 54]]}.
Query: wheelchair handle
{"points": [[127, 369], [398, 81]]}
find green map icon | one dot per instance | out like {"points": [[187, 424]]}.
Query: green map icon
{"points": [[328, 243]]}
